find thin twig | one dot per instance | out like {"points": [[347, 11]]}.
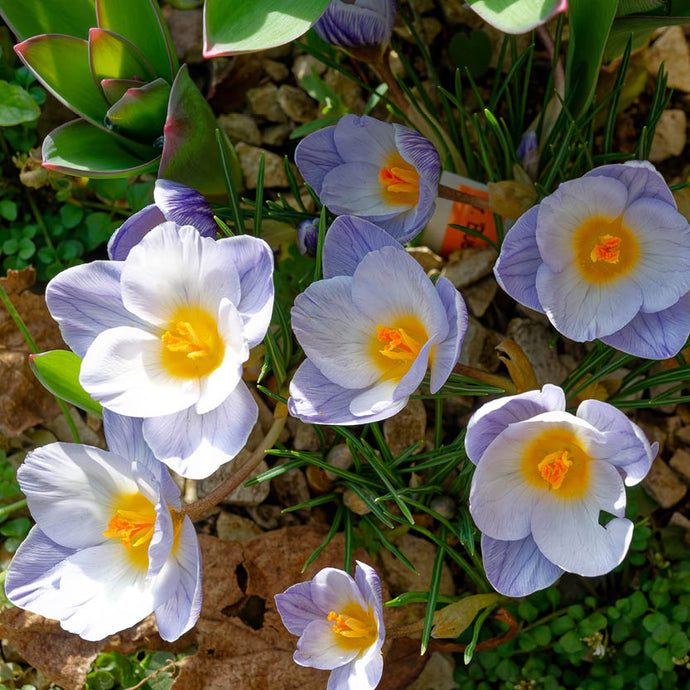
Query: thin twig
{"points": [[446, 192], [151, 676], [197, 510]]}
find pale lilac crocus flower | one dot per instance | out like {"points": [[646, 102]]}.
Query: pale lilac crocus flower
{"points": [[605, 256], [385, 173], [362, 28], [110, 544], [543, 479], [370, 329], [339, 620], [175, 202], [164, 334]]}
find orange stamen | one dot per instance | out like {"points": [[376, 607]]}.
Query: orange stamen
{"points": [[608, 249], [132, 527], [399, 180], [348, 626], [554, 467], [187, 341], [400, 345]]}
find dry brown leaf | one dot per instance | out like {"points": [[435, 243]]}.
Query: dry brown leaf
{"points": [[23, 400]]}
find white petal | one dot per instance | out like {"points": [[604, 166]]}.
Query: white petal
{"points": [[320, 647], [334, 590]]}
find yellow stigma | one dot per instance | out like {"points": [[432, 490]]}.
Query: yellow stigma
{"points": [[554, 467], [192, 346], [605, 249], [400, 181], [556, 460], [355, 627]]}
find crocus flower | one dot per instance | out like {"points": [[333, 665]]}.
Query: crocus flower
{"points": [[308, 237], [339, 621], [385, 173], [605, 256], [110, 544], [370, 329], [173, 201], [543, 479], [517, 16], [163, 336], [362, 28]]}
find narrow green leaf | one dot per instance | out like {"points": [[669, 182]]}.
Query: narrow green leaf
{"points": [[58, 371], [637, 29], [29, 18], [433, 593], [16, 105], [140, 22], [590, 22], [140, 114], [78, 148], [239, 27], [61, 64]]}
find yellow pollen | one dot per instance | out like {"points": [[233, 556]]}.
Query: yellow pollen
{"points": [[133, 527], [187, 341], [399, 344], [400, 181], [608, 249], [347, 626], [554, 467]]}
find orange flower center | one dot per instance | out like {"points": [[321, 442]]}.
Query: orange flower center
{"points": [[355, 628], [399, 343], [607, 250], [554, 467], [400, 181]]}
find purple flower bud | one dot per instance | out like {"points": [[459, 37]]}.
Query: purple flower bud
{"points": [[528, 153], [308, 236]]}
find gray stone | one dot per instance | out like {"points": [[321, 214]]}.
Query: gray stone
{"points": [[271, 517], [680, 462], [663, 484], [276, 135], [534, 338], [274, 168], [670, 135], [240, 127], [349, 93], [671, 48], [241, 496], [291, 488], [683, 434], [305, 438], [296, 104], [480, 295], [437, 674], [339, 456], [445, 506], [304, 64], [467, 266], [231, 527], [277, 71], [263, 101], [186, 29], [354, 503], [405, 428]]}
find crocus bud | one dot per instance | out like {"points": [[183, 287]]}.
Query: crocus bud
{"points": [[308, 236]]}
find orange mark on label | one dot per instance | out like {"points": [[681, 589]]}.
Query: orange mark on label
{"points": [[608, 249], [554, 467], [470, 217]]}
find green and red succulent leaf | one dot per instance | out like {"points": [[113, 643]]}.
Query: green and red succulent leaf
{"points": [[141, 112], [27, 18], [115, 89]]}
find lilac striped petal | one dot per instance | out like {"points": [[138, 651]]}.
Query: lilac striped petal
{"points": [[348, 241], [364, 140], [630, 449], [133, 230], [419, 152], [494, 417], [196, 445], [517, 568], [316, 399], [361, 23], [654, 336], [316, 155], [641, 178], [363, 673], [447, 352], [517, 265], [86, 300], [183, 205], [320, 647], [125, 438], [296, 607], [180, 611]]}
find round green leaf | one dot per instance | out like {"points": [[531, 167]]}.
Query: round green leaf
{"points": [[16, 105]]}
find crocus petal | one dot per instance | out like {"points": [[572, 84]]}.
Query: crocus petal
{"points": [[654, 336], [447, 352], [33, 579], [369, 585], [378, 399], [86, 300], [568, 532], [133, 230], [364, 139], [572, 204], [516, 267], [317, 400], [123, 369], [175, 267], [348, 241], [316, 155], [180, 611], [335, 590], [585, 311], [664, 238], [253, 260], [495, 416], [334, 334], [71, 490], [183, 205], [360, 674], [103, 592], [126, 439], [363, 23], [296, 607], [410, 381], [196, 445], [419, 152], [517, 568], [630, 449], [319, 647], [641, 179], [215, 386]]}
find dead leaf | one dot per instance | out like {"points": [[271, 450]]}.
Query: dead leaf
{"points": [[518, 365], [511, 199], [453, 619], [23, 400]]}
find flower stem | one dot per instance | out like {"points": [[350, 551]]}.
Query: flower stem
{"points": [[446, 192], [198, 509], [10, 508]]}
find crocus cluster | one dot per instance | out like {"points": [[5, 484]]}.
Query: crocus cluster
{"points": [[543, 479], [606, 256]]}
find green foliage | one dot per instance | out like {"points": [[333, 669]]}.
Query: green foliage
{"points": [[113, 671]]}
